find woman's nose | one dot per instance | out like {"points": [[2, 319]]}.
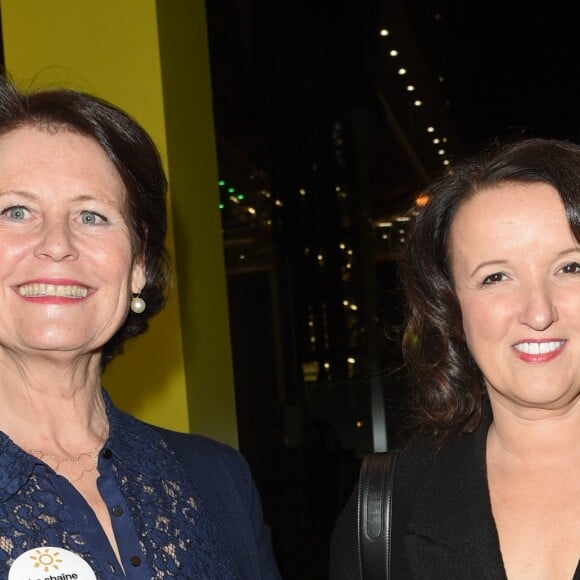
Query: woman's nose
{"points": [[56, 242], [538, 310]]}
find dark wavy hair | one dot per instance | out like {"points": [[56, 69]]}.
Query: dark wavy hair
{"points": [[447, 386], [136, 158]]}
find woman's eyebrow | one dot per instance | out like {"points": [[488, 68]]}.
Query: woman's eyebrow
{"points": [[488, 263]]}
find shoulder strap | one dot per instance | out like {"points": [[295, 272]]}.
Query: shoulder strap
{"points": [[375, 494]]}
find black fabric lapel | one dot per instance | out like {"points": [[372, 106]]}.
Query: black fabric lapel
{"points": [[451, 533]]}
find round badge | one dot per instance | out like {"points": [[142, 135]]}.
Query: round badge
{"points": [[48, 563]]}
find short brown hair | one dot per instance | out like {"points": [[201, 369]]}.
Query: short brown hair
{"points": [[136, 158]]}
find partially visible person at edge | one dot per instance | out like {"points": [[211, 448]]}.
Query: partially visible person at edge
{"points": [[83, 485], [489, 485]]}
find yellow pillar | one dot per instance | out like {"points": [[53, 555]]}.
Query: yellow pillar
{"points": [[151, 59]]}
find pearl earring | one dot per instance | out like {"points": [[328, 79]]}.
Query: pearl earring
{"points": [[138, 304]]}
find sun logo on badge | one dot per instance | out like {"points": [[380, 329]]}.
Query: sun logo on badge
{"points": [[46, 559]]}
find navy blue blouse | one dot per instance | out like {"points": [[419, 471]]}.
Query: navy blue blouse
{"points": [[160, 520]]}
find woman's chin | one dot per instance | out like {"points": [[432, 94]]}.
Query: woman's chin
{"points": [[59, 346]]}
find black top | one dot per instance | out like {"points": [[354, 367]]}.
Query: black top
{"points": [[443, 527]]}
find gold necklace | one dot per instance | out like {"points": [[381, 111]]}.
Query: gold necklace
{"points": [[86, 462]]}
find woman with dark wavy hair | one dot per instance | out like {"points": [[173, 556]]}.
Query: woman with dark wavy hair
{"points": [[86, 490], [489, 485]]}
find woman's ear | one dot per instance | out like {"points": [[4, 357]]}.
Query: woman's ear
{"points": [[138, 277]]}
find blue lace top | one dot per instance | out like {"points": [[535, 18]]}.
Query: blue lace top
{"points": [[160, 524]]}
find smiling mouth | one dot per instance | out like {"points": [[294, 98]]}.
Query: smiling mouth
{"points": [[67, 291], [539, 347]]}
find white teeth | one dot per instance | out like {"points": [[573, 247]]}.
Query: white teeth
{"points": [[539, 347], [68, 291]]}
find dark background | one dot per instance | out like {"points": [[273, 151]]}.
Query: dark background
{"points": [[507, 66], [319, 137]]}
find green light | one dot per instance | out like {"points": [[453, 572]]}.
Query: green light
{"points": [[222, 205], [221, 182], [240, 196], [231, 189]]}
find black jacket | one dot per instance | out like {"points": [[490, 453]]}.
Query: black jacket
{"points": [[443, 526]]}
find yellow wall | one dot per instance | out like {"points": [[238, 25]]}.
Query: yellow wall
{"points": [[151, 59]]}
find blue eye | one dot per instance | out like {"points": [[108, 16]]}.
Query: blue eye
{"points": [[92, 218], [15, 213]]}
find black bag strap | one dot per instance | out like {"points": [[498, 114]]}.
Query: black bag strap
{"points": [[375, 496]]}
